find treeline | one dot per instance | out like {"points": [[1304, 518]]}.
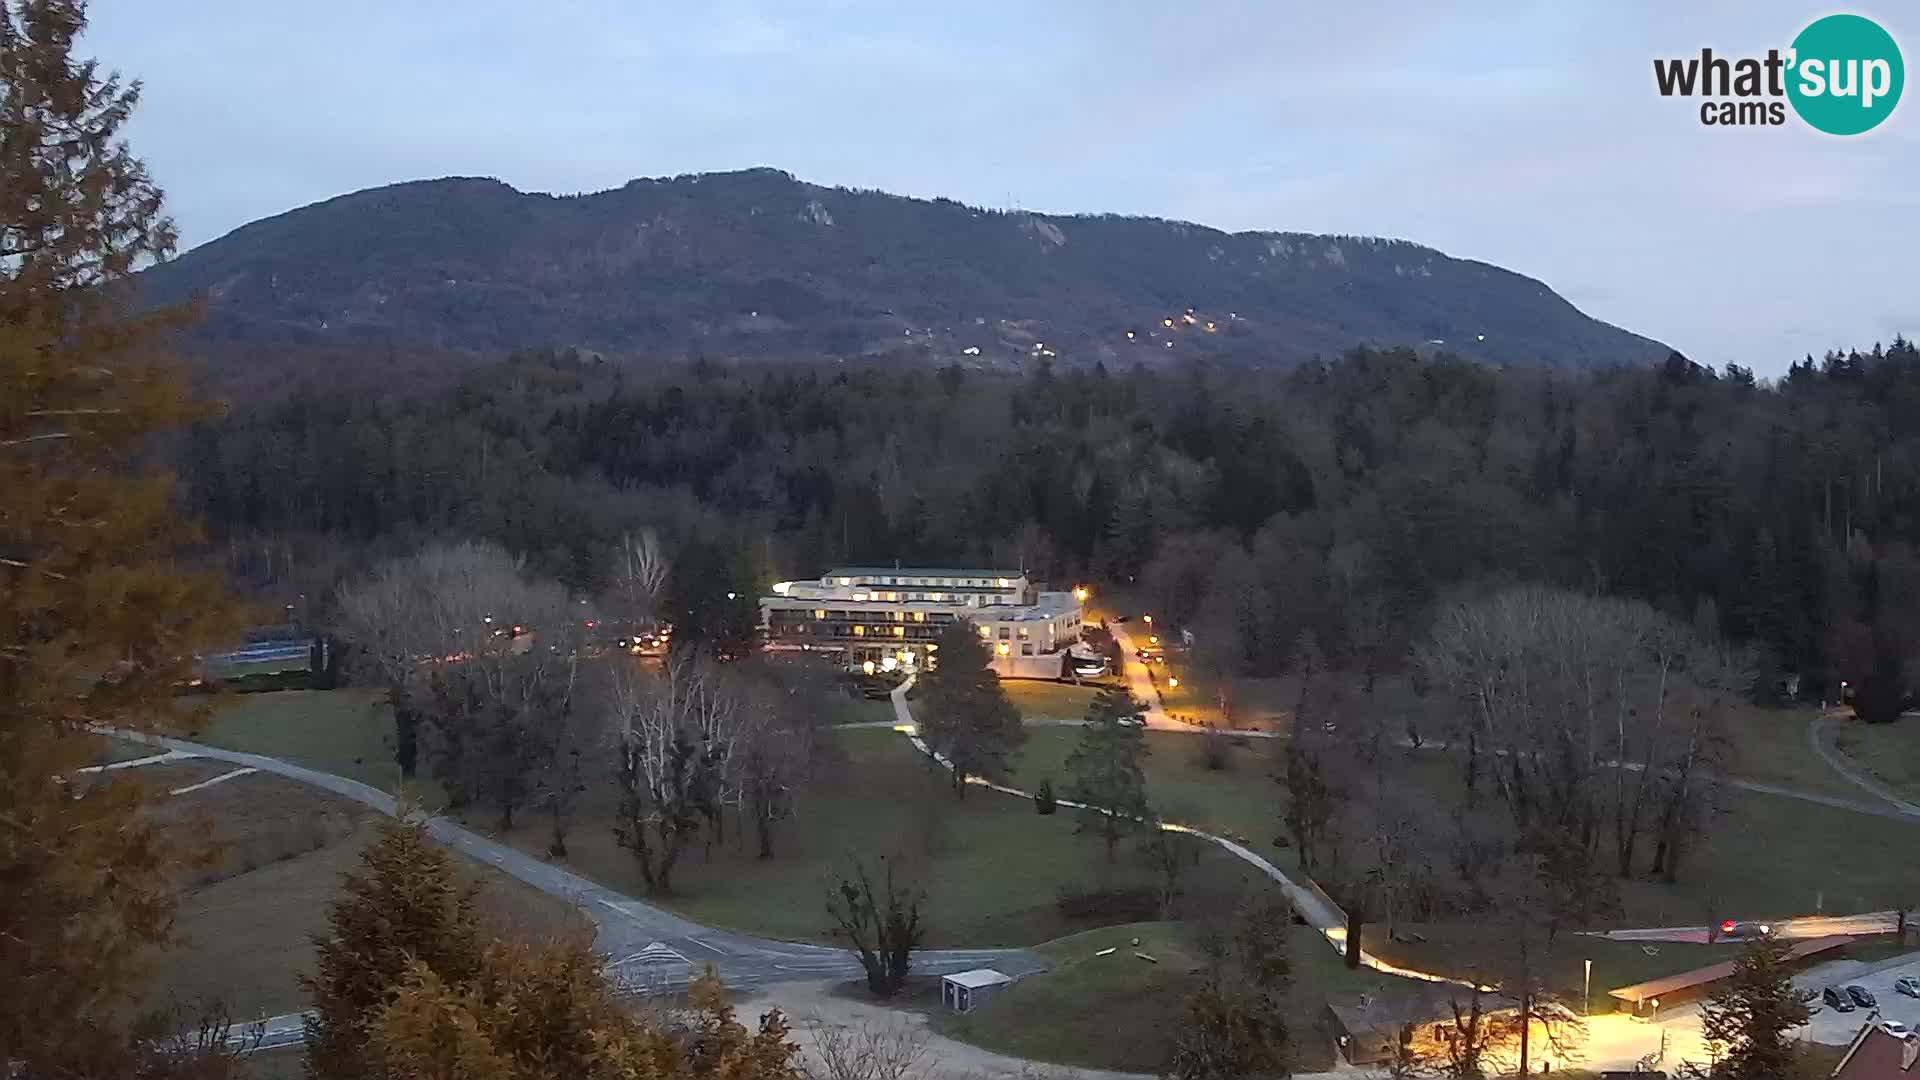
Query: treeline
{"points": [[1338, 498]]}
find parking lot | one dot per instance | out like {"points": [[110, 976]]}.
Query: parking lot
{"points": [[1838, 1028]]}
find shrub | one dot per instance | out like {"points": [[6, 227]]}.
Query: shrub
{"points": [[1213, 752], [1107, 905]]}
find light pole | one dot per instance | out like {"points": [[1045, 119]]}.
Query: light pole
{"points": [[1586, 994]]}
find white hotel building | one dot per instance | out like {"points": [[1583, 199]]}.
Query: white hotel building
{"points": [[892, 616]]}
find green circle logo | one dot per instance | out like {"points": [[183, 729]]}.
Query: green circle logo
{"points": [[1845, 75]]}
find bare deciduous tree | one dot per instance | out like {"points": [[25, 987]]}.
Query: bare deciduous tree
{"points": [[675, 731], [639, 577], [865, 1051]]}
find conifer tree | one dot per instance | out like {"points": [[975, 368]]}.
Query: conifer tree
{"points": [[1106, 770], [968, 719], [98, 621], [1750, 1019], [406, 913]]}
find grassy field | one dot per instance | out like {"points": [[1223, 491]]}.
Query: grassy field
{"points": [[1039, 700], [991, 867], [1840, 858], [345, 732], [1121, 1012], [1463, 947], [1891, 752], [1242, 800], [861, 710], [246, 940]]}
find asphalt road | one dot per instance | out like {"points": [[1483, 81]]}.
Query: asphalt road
{"points": [[647, 948]]}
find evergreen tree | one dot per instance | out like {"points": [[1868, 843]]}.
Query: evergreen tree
{"points": [[1236, 1022], [1105, 769], [1749, 1019], [98, 622], [405, 911], [713, 601], [968, 719]]}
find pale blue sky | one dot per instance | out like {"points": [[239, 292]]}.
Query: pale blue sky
{"points": [[1528, 136]]}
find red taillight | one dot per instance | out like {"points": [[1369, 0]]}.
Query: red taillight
{"points": [[1727, 927]]}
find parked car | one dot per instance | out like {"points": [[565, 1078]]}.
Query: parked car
{"points": [[1133, 721], [1861, 996], [1908, 985], [1895, 1028], [1836, 1000]]}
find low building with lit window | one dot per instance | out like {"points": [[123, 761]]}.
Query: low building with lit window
{"points": [[892, 617]]}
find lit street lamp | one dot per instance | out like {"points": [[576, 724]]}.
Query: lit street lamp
{"points": [[1081, 592], [1148, 619], [1173, 683], [1586, 995]]}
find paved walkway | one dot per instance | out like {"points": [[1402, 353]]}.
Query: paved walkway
{"points": [[647, 948]]}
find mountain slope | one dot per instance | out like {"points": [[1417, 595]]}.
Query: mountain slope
{"points": [[758, 264]]}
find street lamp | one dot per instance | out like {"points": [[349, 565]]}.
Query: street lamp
{"points": [[1173, 683], [1148, 619], [1080, 593], [1586, 995]]}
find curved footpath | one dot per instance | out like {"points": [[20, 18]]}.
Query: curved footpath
{"points": [[647, 948], [1839, 762], [1314, 906]]}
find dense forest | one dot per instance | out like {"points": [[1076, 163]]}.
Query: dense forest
{"points": [[1340, 498]]}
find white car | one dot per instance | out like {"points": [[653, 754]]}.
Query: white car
{"points": [[1895, 1028], [1908, 985]]}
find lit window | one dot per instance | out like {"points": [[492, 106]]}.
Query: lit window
{"points": [[1004, 583], [859, 596], [899, 631], [919, 616], [859, 631], [819, 613], [893, 598], [1005, 650], [986, 631], [1024, 633], [846, 581]]}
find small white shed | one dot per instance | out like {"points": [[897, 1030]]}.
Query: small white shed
{"points": [[970, 989]]}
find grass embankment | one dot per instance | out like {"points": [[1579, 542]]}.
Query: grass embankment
{"points": [[1120, 1012], [246, 935], [1891, 752]]}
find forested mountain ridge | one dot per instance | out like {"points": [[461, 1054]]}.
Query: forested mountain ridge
{"points": [[758, 265]]}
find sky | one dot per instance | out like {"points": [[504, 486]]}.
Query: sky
{"points": [[1529, 135]]}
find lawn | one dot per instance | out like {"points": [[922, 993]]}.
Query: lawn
{"points": [[862, 710], [1841, 860], [1241, 800], [1049, 701], [345, 732], [1120, 1012], [1891, 752], [246, 940], [991, 867], [1462, 946]]}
